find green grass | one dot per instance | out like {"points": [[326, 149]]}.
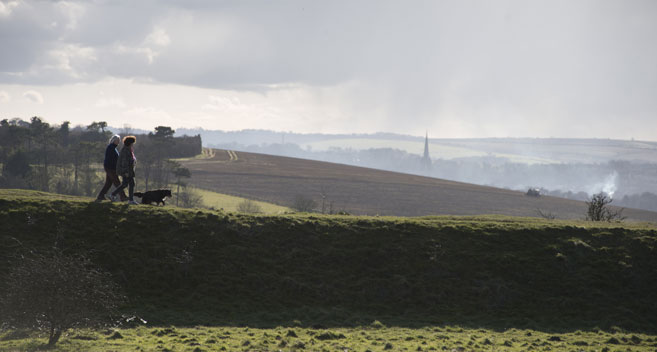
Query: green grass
{"points": [[372, 337], [230, 203], [492, 277]]}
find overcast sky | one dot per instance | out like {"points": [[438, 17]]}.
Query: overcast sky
{"points": [[555, 68]]}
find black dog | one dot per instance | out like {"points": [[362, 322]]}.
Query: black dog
{"points": [[157, 196]]}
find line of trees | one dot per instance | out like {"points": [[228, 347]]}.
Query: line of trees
{"points": [[68, 160]]}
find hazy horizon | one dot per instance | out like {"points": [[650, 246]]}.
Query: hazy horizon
{"points": [[476, 69]]}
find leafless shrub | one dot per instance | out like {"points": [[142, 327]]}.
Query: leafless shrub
{"points": [[546, 214], [53, 292], [249, 206], [304, 204], [598, 209], [189, 198]]}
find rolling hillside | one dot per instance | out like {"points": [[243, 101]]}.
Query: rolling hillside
{"points": [[190, 267], [366, 191]]}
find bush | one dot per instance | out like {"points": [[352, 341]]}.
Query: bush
{"points": [[533, 192], [189, 198], [53, 292], [304, 204], [598, 209], [249, 206]]}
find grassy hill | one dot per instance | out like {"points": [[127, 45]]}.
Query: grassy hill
{"points": [[231, 203], [205, 267], [357, 190]]}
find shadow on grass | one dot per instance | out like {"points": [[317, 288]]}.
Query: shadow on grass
{"points": [[344, 318]]}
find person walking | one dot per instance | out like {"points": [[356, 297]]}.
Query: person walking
{"points": [[125, 166], [111, 178]]}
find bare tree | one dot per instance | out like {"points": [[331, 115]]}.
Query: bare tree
{"points": [[546, 214], [54, 292], [598, 209], [249, 206], [326, 202], [180, 172], [304, 204], [189, 198]]}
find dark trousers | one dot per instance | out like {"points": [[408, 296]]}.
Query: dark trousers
{"points": [[127, 181], [110, 179]]}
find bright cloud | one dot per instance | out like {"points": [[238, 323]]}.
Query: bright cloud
{"points": [[72, 11], [33, 96], [158, 37], [4, 97], [148, 116], [7, 7], [110, 103], [72, 60]]}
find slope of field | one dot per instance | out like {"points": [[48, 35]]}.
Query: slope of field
{"points": [[194, 267], [366, 191], [231, 203]]}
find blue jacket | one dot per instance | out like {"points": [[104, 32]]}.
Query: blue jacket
{"points": [[111, 156]]}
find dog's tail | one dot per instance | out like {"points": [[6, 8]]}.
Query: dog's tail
{"points": [[139, 194]]}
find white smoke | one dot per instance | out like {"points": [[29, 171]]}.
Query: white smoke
{"points": [[608, 185]]}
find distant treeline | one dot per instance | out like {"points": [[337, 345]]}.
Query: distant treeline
{"points": [[69, 160]]}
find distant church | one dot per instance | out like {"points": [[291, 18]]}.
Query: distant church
{"points": [[426, 160]]}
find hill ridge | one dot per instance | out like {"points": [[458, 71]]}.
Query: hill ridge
{"points": [[369, 191], [200, 267]]}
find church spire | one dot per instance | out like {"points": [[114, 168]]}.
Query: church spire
{"points": [[426, 147], [426, 159]]}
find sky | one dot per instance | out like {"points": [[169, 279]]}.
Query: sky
{"points": [[454, 69]]}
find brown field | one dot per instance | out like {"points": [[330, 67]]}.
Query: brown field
{"points": [[366, 191]]}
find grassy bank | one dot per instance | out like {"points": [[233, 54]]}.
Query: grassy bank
{"points": [[373, 337], [231, 203], [198, 267]]}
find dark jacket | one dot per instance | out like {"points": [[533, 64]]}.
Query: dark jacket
{"points": [[126, 163], [111, 156]]}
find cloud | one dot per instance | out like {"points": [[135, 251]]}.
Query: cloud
{"points": [[149, 115], [72, 11], [509, 67], [7, 8], [227, 104], [33, 96], [72, 60], [110, 103], [4, 97], [158, 37]]}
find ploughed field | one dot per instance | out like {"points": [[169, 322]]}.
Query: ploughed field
{"points": [[364, 191], [211, 280]]}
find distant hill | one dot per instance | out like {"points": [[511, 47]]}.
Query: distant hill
{"points": [[527, 150], [366, 191]]}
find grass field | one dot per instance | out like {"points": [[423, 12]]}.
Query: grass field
{"points": [[373, 337], [227, 202], [212, 280], [363, 191], [230, 203]]}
